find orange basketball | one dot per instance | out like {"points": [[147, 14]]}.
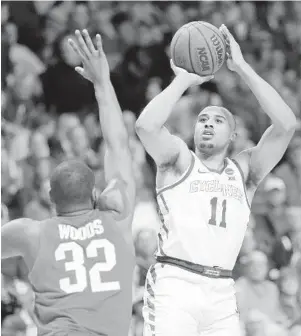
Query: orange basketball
{"points": [[198, 47]]}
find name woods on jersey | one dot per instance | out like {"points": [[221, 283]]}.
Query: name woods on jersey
{"points": [[204, 215], [86, 232]]}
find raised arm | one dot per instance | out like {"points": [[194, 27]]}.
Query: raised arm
{"points": [[258, 161], [119, 196], [165, 148]]}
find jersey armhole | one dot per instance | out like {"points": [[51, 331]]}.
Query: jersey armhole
{"points": [[122, 228], [181, 179], [37, 246], [120, 209], [243, 180]]}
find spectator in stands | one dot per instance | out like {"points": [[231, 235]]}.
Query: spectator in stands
{"points": [[288, 285], [289, 170], [40, 208], [248, 246], [80, 146], [125, 29], [64, 90], [254, 291]]}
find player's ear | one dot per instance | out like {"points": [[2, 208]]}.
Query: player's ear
{"points": [[233, 136]]}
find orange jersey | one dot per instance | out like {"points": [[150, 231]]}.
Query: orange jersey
{"points": [[82, 277]]}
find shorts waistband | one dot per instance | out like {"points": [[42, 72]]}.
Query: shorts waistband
{"points": [[210, 272]]}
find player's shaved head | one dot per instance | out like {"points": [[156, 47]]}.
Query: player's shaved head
{"points": [[219, 109], [72, 183]]}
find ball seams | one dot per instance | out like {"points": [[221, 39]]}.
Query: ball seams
{"points": [[189, 50], [174, 48], [213, 64]]}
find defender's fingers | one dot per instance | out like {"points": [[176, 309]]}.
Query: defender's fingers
{"points": [[227, 32], [224, 31], [76, 49], [225, 35], [82, 44], [80, 70], [89, 41], [228, 55], [99, 43]]}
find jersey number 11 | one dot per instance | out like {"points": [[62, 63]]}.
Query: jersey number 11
{"points": [[212, 220]]}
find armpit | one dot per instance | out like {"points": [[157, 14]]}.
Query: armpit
{"points": [[253, 179], [114, 199], [170, 165]]}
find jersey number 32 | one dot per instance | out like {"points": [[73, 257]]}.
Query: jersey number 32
{"points": [[82, 274]]}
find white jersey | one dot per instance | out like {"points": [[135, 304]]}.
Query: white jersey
{"points": [[204, 215]]}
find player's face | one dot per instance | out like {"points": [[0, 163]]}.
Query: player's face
{"points": [[213, 132]]}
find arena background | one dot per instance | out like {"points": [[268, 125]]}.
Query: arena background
{"points": [[49, 113]]}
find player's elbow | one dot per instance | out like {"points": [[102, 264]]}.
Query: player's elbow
{"points": [[145, 125], [292, 126], [288, 126], [144, 128], [290, 123]]}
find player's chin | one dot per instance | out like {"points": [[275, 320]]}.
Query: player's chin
{"points": [[206, 146]]}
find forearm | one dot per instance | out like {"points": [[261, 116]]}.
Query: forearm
{"points": [[271, 102], [110, 115], [157, 112]]}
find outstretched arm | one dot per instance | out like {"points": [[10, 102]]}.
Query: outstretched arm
{"points": [[120, 193], [164, 148], [261, 159]]}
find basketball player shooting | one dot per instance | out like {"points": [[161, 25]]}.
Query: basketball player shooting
{"points": [[204, 199], [80, 262]]}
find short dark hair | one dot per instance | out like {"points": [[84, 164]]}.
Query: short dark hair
{"points": [[72, 182], [119, 18]]}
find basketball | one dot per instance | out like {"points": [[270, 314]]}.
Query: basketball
{"points": [[198, 47]]}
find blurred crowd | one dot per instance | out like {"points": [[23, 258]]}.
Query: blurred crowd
{"points": [[49, 113]]}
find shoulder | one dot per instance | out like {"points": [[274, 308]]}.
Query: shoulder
{"points": [[171, 175], [115, 200], [242, 162], [19, 223], [25, 228], [180, 161], [120, 227], [19, 235]]}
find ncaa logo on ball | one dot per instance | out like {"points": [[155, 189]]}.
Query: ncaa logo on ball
{"points": [[203, 57], [229, 171]]}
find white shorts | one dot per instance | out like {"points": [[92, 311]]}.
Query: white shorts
{"points": [[178, 302]]}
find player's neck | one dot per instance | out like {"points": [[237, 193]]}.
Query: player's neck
{"points": [[74, 210], [214, 161]]}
